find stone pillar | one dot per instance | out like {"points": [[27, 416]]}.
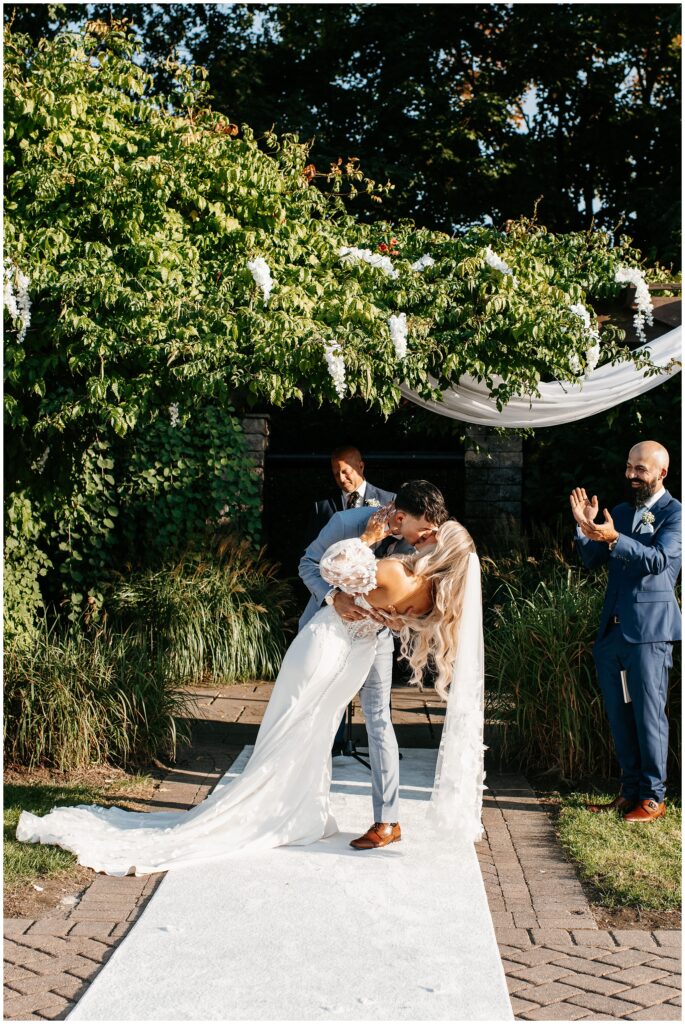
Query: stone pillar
{"points": [[256, 428], [493, 484]]}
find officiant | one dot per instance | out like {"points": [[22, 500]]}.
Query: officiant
{"points": [[352, 490]]}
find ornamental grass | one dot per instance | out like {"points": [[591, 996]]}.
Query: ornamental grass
{"points": [[219, 617], [72, 700]]}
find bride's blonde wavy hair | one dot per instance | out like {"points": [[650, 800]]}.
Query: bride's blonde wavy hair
{"points": [[432, 639]]}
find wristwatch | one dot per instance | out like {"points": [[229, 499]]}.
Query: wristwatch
{"points": [[613, 544], [330, 596]]}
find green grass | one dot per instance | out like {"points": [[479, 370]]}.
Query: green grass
{"points": [[26, 863], [628, 865]]}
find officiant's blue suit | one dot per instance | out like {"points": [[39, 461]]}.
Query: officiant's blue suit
{"points": [[643, 569]]}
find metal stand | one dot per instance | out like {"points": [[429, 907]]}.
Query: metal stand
{"points": [[349, 746]]}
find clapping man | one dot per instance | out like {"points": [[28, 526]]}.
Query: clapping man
{"points": [[641, 544]]}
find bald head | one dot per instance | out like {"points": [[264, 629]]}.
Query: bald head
{"points": [[649, 451], [646, 470]]}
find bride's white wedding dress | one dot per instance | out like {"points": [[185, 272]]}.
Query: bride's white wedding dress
{"points": [[282, 796]]}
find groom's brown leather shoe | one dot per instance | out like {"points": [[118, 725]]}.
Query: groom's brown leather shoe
{"points": [[619, 804], [380, 834], [646, 810]]}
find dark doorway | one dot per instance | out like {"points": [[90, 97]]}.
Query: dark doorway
{"points": [[410, 444]]}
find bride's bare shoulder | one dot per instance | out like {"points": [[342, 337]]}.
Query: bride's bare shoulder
{"points": [[391, 573]]}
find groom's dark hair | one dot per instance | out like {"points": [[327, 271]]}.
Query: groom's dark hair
{"points": [[422, 498]]}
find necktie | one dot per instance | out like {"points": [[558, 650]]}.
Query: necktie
{"points": [[353, 500]]}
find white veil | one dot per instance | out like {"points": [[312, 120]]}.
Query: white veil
{"points": [[457, 799]]}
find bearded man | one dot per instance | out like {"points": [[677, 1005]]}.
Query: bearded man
{"points": [[641, 544]]}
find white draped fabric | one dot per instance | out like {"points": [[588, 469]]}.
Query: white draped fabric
{"points": [[558, 402]]}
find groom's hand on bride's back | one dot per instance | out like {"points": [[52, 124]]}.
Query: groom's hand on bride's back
{"points": [[351, 612]]}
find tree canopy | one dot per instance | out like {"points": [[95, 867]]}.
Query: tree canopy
{"points": [[471, 110]]}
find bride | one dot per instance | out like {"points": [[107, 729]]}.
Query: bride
{"points": [[282, 797]]}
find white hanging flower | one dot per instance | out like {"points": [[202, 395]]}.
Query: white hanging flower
{"points": [[352, 254], [497, 263], [593, 351], [173, 414], [643, 300], [423, 262], [9, 298], [592, 357], [259, 269], [40, 464], [18, 304], [336, 366], [398, 333], [581, 311]]}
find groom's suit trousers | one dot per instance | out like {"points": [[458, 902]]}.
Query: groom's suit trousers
{"points": [[384, 754]]}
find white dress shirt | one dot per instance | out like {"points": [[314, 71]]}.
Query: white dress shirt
{"points": [[361, 491], [647, 505]]}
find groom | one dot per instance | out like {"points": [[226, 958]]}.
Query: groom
{"points": [[419, 509]]}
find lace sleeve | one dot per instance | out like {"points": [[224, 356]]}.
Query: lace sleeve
{"points": [[350, 566]]}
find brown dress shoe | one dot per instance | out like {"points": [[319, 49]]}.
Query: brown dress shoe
{"points": [[646, 810], [380, 834], [619, 803]]}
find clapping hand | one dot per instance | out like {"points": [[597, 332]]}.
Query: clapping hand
{"points": [[584, 510], [605, 531]]}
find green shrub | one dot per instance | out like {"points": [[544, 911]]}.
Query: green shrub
{"points": [[71, 701], [220, 615], [24, 563], [539, 656]]}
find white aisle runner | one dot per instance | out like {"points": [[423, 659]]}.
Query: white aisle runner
{"points": [[321, 932]]}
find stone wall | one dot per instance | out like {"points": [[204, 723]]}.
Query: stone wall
{"points": [[493, 483], [256, 427]]}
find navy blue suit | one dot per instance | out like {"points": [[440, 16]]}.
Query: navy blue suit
{"points": [[324, 510], [643, 569]]}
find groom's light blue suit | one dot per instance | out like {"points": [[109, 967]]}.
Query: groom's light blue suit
{"points": [[639, 622], [375, 693]]}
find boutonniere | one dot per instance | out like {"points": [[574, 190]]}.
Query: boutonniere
{"points": [[647, 518], [372, 502]]}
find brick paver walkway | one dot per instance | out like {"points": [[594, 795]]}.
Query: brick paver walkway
{"points": [[559, 965]]}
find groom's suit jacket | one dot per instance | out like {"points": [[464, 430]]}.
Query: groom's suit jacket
{"points": [[643, 569], [343, 526], [324, 510]]}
